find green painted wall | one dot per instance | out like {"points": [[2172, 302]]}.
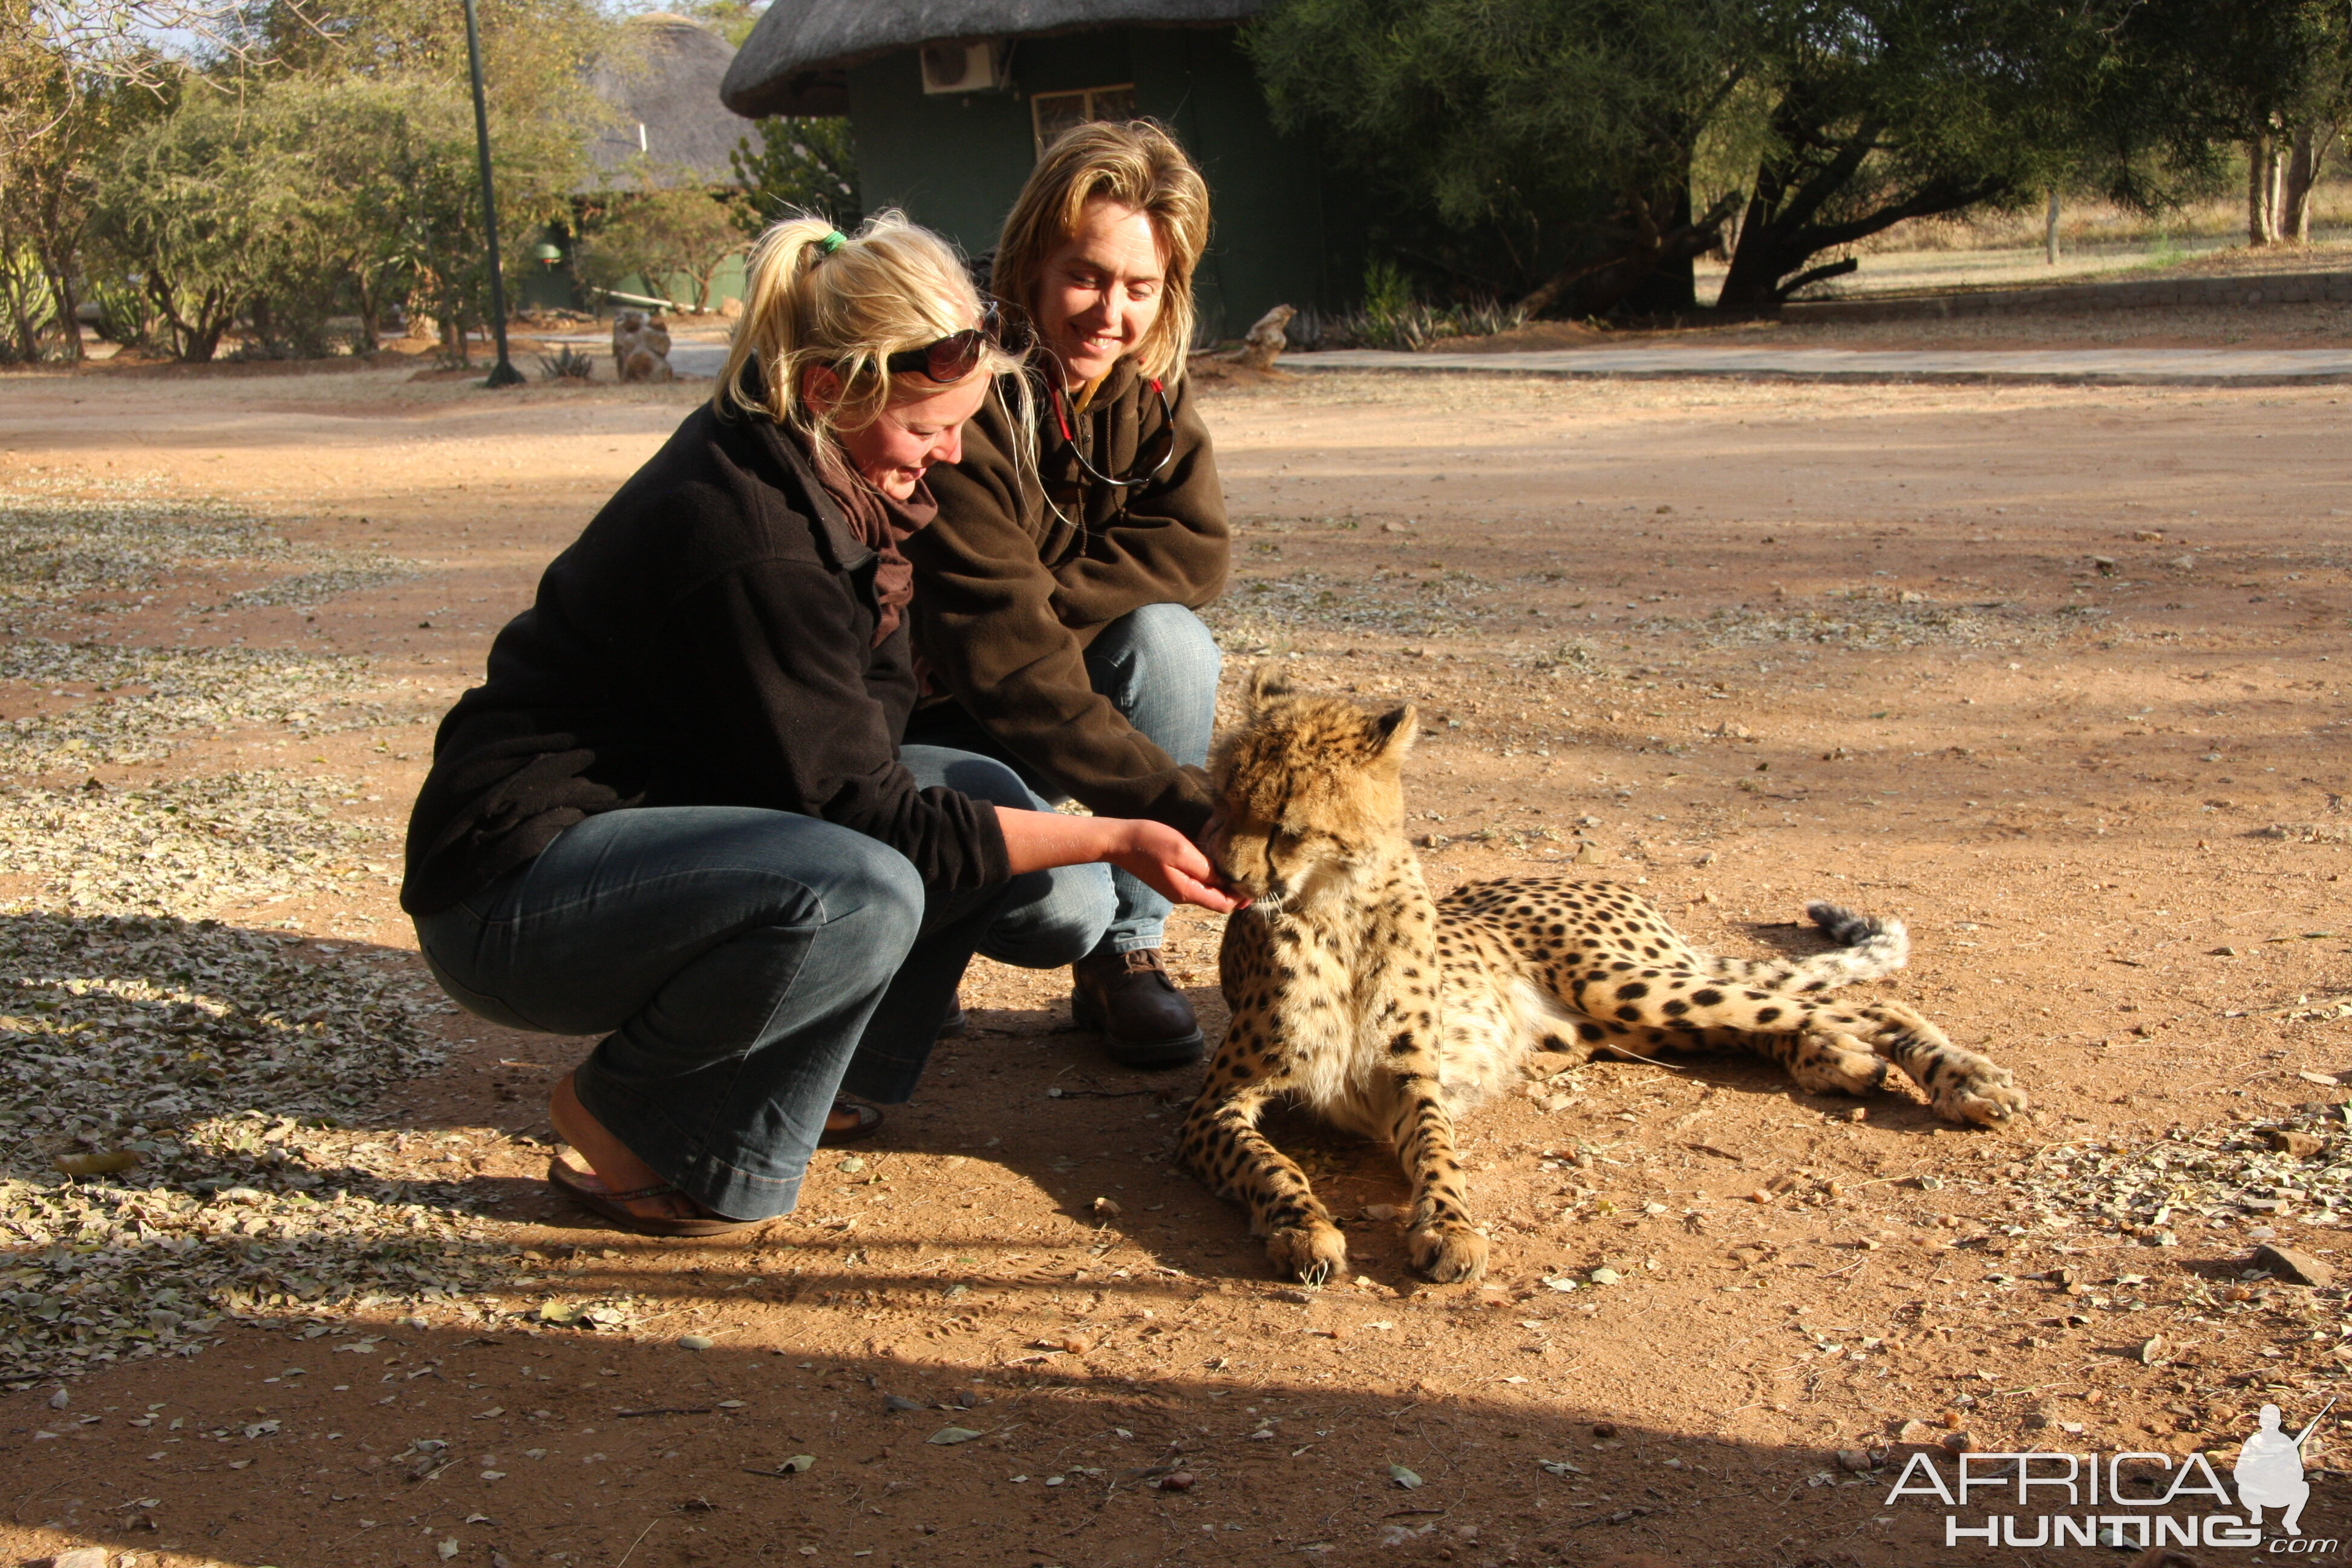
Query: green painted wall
{"points": [[955, 162]]}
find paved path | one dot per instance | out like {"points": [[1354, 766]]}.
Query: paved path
{"points": [[2132, 366]]}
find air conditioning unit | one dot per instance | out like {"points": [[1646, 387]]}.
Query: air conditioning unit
{"points": [[965, 68]]}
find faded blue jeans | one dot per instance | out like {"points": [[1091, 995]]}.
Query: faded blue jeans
{"points": [[1158, 665], [745, 967]]}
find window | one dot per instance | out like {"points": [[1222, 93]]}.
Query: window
{"points": [[1054, 112]]}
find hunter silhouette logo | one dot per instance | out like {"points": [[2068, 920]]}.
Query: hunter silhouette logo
{"points": [[2269, 1471]]}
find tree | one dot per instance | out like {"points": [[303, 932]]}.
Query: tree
{"points": [[798, 165], [671, 226], [183, 207], [1559, 132], [61, 109], [2271, 76], [1884, 110]]}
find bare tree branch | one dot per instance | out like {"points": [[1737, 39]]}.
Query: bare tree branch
{"points": [[135, 42]]}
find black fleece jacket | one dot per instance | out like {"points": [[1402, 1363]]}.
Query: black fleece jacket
{"points": [[708, 640]]}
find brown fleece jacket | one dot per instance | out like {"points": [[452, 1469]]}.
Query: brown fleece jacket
{"points": [[1008, 594]]}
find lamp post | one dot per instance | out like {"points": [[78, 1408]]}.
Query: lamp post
{"points": [[502, 374]]}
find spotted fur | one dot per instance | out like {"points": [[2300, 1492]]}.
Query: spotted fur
{"points": [[1390, 1013]]}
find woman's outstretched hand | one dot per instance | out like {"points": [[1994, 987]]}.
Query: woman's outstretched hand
{"points": [[1156, 854], [1173, 866]]}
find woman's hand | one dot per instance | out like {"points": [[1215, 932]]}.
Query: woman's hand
{"points": [[1172, 866], [1163, 859]]}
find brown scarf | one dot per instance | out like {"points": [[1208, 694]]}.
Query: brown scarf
{"points": [[880, 521]]}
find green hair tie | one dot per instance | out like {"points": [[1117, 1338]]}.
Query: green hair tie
{"points": [[833, 241]]}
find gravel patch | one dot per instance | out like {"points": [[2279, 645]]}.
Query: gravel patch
{"points": [[2232, 1172], [186, 845], [1260, 610], [149, 700], [57, 545], [173, 1149], [1866, 618]]}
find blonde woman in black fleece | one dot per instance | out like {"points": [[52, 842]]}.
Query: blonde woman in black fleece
{"points": [[678, 812]]}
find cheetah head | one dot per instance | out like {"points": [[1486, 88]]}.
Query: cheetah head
{"points": [[1309, 791]]}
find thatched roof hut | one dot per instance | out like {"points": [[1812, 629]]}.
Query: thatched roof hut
{"points": [[796, 60], [951, 100], [663, 80]]}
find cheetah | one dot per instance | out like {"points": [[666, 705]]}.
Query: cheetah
{"points": [[1391, 1013]]}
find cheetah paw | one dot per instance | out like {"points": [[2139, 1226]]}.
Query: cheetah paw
{"points": [[1309, 1254], [1984, 1095], [1448, 1251]]}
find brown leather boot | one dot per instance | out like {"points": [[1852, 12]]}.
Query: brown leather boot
{"points": [[1144, 1020]]}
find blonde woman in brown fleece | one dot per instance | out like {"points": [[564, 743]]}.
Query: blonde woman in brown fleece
{"points": [[1055, 593]]}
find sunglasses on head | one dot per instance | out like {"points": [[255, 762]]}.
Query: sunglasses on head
{"points": [[958, 354]]}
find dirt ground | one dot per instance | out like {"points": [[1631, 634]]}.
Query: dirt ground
{"points": [[2051, 673]]}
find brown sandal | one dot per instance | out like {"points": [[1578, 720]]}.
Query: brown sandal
{"points": [[612, 1206], [869, 1122]]}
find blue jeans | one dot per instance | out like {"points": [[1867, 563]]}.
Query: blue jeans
{"points": [[1158, 666], [746, 966]]}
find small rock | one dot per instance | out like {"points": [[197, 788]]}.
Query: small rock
{"points": [[851, 1166], [1295, 1298], [2302, 1145], [2035, 1420], [1959, 1443], [900, 1401], [447, 1549], [1605, 1276], [1107, 1208], [81, 1557], [1180, 1481], [60, 1400], [1928, 1183], [694, 1342], [1382, 1211], [1605, 1430], [2297, 1268], [1914, 1432], [947, 1435], [1854, 1459], [2151, 1350]]}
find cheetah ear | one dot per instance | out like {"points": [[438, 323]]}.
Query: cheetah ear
{"points": [[1267, 682], [1393, 734]]}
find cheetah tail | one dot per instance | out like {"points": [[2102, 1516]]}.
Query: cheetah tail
{"points": [[1869, 947]]}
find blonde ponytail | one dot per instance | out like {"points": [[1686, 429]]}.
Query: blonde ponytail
{"points": [[847, 304]]}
